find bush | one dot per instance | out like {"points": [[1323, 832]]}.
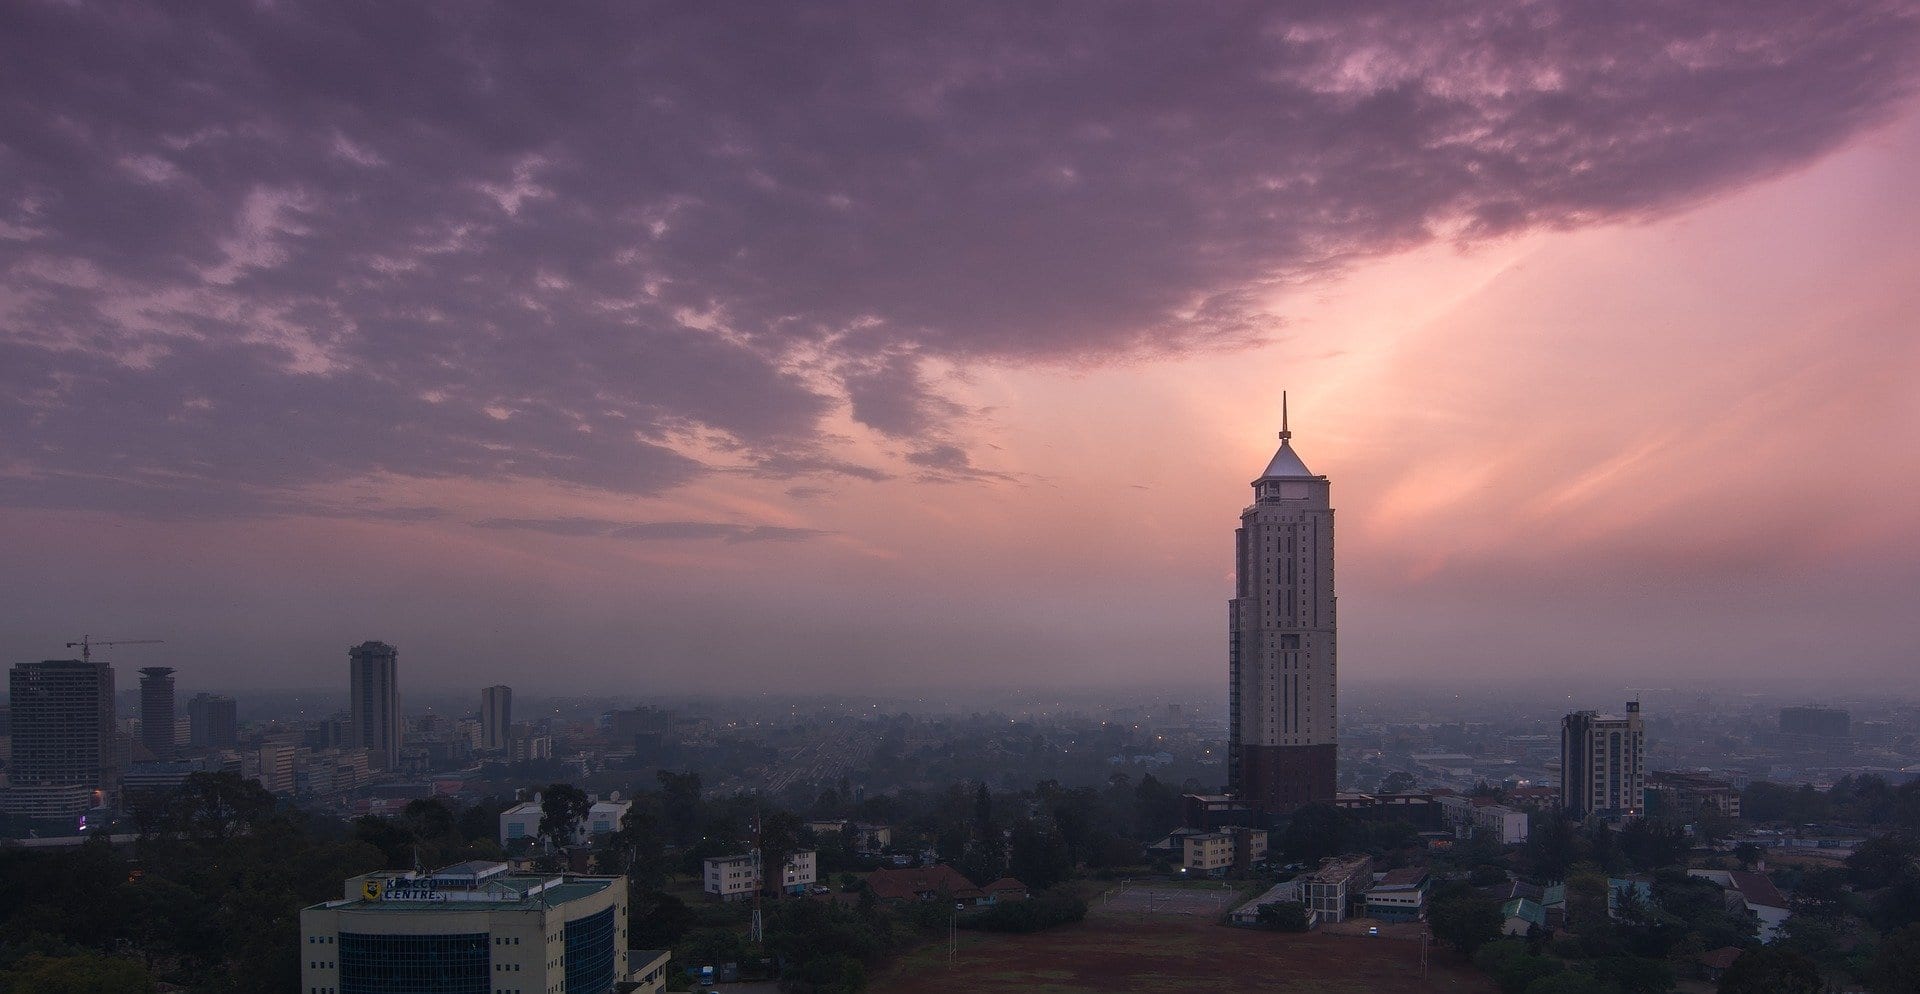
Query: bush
{"points": [[1055, 906], [1513, 966], [1284, 916], [1486, 875]]}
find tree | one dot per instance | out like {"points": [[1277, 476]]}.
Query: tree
{"points": [[1749, 855], [562, 808], [1879, 860], [680, 804], [1635, 975], [1039, 856], [983, 813], [1897, 904], [86, 973], [1464, 918], [1552, 846], [639, 847], [984, 862], [1571, 982], [1896, 966], [1513, 965], [657, 920], [216, 807], [1284, 916], [1486, 875], [779, 840], [1315, 832], [1396, 782], [1765, 970], [1156, 807]]}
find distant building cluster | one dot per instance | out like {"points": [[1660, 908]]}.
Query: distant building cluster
{"points": [[70, 755]]}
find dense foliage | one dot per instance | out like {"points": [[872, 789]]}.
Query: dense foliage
{"points": [[1055, 906]]}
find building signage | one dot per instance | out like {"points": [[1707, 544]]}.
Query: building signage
{"points": [[400, 889]]}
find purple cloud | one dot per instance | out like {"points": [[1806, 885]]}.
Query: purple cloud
{"points": [[247, 249], [653, 531]]}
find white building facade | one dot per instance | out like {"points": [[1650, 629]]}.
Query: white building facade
{"points": [[732, 878], [1603, 764], [475, 928]]}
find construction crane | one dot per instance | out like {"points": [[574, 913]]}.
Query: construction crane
{"points": [[87, 642]]}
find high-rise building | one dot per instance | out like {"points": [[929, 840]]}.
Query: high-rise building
{"points": [[213, 722], [156, 711], [374, 689], [64, 729], [1282, 697], [1603, 764], [496, 717]]}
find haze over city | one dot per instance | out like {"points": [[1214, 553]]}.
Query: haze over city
{"points": [[882, 348]]}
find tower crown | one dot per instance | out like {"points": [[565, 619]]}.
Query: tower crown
{"points": [[1286, 464]]}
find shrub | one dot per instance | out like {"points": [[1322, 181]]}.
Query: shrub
{"points": [[1284, 916], [1055, 906]]}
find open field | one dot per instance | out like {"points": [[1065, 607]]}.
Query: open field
{"points": [[1177, 956], [1202, 903]]}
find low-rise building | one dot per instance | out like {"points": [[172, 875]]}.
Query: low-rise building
{"points": [[1399, 895], [1248, 914], [1521, 916], [522, 821], [649, 968], [475, 927], [1468, 816], [732, 878], [867, 837], [1331, 891], [1754, 892], [1228, 848], [1686, 796], [605, 816], [941, 882]]}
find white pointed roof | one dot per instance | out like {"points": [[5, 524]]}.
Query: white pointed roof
{"points": [[1286, 465]]}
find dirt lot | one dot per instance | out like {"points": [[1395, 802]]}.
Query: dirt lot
{"points": [[1168, 955]]}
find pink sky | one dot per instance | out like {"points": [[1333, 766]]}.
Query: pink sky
{"points": [[1677, 435]]}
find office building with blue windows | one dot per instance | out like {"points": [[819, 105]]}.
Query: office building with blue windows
{"points": [[473, 928]]}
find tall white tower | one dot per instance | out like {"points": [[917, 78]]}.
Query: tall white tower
{"points": [[1283, 694]]}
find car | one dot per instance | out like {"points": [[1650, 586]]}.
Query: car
{"points": [[1373, 930]]}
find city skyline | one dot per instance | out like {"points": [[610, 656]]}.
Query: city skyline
{"points": [[946, 368]]}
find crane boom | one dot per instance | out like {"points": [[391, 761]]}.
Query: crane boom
{"points": [[87, 642]]}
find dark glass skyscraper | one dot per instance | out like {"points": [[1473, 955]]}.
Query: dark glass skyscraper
{"points": [[63, 724], [156, 711], [374, 687]]}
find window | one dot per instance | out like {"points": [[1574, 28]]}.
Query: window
{"points": [[414, 964], [590, 954]]}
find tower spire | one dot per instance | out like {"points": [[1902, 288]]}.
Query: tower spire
{"points": [[1284, 433]]}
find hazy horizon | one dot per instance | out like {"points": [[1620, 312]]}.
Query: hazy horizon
{"points": [[850, 349]]}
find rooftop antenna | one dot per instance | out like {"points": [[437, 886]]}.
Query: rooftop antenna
{"points": [[1284, 433]]}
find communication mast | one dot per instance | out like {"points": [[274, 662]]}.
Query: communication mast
{"points": [[87, 642], [756, 934]]}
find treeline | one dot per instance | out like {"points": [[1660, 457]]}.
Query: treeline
{"points": [[1866, 801], [209, 898], [1853, 925]]}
